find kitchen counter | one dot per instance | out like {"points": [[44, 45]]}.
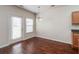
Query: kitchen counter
{"points": [[75, 30]]}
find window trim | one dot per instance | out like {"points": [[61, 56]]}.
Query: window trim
{"points": [[29, 25]]}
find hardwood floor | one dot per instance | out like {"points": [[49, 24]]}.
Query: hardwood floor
{"points": [[38, 46]]}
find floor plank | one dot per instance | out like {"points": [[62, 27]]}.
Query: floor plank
{"points": [[38, 45]]}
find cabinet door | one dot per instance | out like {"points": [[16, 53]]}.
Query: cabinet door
{"points": [[75, 17], [76, 40]]}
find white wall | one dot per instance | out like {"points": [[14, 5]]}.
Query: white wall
{"points": [[6, 12], [56, 24]]}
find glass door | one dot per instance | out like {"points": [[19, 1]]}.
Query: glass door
{"points": [[16, 28]]}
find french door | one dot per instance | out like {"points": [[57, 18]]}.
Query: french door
{"points": [[16, 28]]}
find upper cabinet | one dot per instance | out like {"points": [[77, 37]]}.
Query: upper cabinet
{"points": [[75, 17]]}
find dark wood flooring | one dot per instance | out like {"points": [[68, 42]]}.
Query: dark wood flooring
{"points": [[38, 46]]}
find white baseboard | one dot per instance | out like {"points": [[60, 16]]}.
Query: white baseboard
{"points": [[4, 45], [52, 39], [31, 37], [28, 37]]}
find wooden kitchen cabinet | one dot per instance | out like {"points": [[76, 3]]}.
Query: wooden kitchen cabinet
{"points": [[76, 40], [75, 17]]}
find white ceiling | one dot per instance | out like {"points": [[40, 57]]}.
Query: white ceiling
{"points": [[36, 9]]}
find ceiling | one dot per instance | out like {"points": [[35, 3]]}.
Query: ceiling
{"points": [[36, 9]]}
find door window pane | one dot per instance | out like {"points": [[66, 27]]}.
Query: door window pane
{"points": [[16, 27]]}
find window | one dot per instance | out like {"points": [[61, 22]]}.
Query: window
{"points": [[29, 25], [16, 27]]}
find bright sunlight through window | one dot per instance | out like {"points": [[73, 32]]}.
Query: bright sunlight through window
{"points": [[29, 25], [16, 24]]}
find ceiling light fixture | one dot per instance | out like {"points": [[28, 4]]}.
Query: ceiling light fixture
{"points": [[39, 18]]}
